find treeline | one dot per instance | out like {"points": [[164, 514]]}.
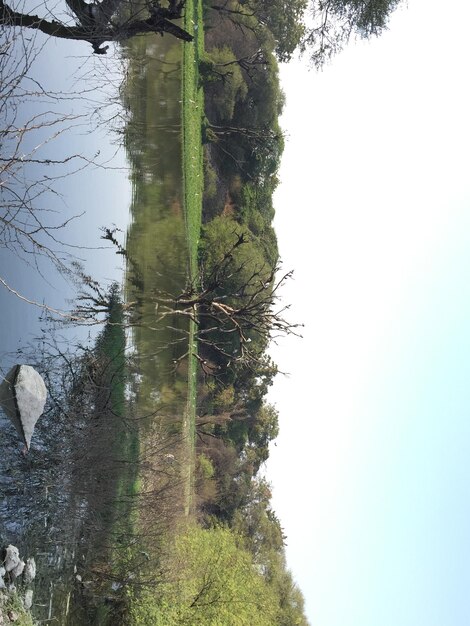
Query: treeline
{"points": [[242, 152], [231, 569], [243, 144], [243, 147]]}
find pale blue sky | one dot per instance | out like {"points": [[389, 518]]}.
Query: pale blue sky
{"points": [[371, 471]]}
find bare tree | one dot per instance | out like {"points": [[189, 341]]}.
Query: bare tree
{"points": [[36, 124], [99, 22], [235, 308]]}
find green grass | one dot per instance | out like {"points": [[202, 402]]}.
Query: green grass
{"points": [[193, 186], [193, 109], [11, 603]]}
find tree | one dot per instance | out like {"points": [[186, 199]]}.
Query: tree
{"points": [[235, 303], [284, 18], [336, 21], [265, 428], [101, 21], [212, 581], [258, 523], [319, 27], [223, 80]]}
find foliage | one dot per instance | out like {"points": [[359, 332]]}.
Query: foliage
{"points": [[220, 68], [320, 28], [210, 181], [284, 18], [205, 466], [225, 398], [213, 583], [336, 21], [264, 429], [219, 236], [12, 610]]}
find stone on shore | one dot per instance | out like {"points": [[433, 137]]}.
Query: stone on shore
{"points": [[23, 397], [12, 558]]}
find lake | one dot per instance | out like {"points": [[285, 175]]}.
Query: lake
{"points": [[110, 441]]}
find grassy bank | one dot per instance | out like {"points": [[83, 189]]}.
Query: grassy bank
{"points": [[193, 109], [193, 184]]}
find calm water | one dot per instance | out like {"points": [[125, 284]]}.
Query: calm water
{"points": [[50, 505]]}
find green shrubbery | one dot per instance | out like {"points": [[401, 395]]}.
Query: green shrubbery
{"points": [[13, 611], [212, 581]]}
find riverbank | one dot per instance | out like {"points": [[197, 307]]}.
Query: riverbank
{"points": [[193, 189]]}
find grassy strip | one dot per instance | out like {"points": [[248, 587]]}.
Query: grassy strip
{"points": [[193, 108], [193, 186]]}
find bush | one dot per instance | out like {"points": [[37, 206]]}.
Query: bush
{"points": [[11, 606], [212, 582], [205, 467], [223, 82], [210, 181]]}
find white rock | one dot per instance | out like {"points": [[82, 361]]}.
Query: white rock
{"points": [[12, 558], [23, 396], [28, 599], [18, 570], [30, 570]]}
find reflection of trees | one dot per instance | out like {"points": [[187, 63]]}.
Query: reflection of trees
{"points": [[101, 490], [155, 246], [36, 124], [28, 171], [234, 305]]}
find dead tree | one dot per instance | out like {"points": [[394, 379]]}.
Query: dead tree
{"points": [[234, 306], [249, 63], [236, 310]]}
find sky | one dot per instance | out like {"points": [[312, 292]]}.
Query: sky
{"points": [[371, 471]]}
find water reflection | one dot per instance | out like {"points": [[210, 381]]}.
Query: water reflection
{"points": [[104, 474], [60, 180], [156, 240]]}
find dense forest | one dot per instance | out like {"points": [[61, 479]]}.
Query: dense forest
{"points": [[240, 177], [243, 145]]}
